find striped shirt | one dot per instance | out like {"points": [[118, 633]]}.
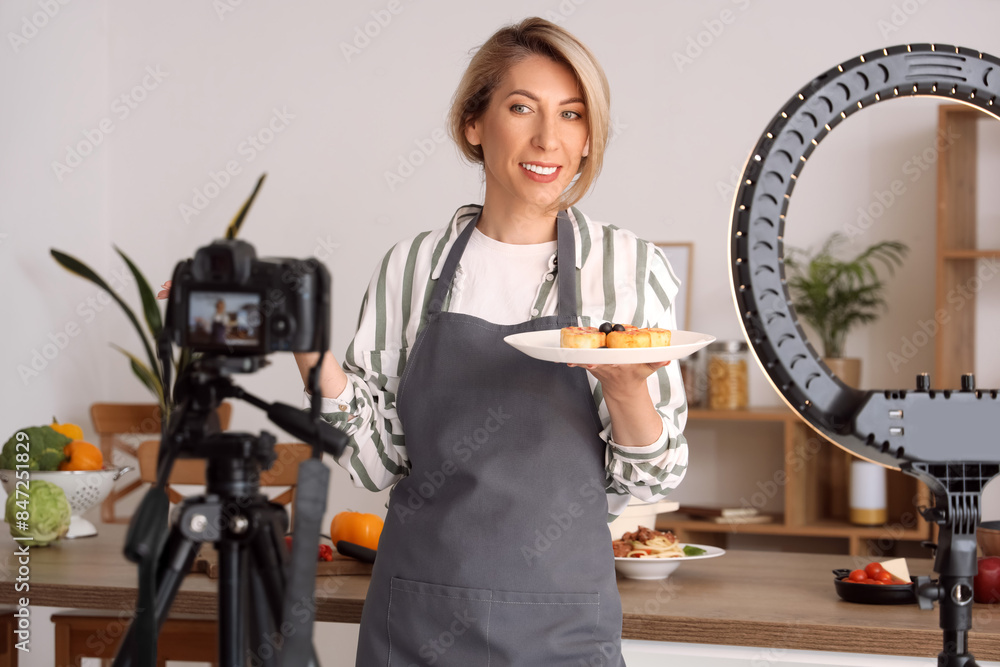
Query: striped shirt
{"points": [[621, 278]]}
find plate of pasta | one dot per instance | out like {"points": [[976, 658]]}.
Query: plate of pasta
{"points": [[652, 554]]}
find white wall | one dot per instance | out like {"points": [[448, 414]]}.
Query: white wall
{"points": [[225, 70]]}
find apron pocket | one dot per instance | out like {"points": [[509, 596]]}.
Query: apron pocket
{"points": [[430, 624], [524, 626]]}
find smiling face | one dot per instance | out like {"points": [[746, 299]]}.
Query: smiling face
{"points": [[533, 135]]}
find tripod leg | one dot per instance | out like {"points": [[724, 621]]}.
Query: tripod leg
{"points": [[265, 640], [178, 555], [232, 597]]}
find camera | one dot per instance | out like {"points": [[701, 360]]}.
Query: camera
{"points": [[227, 301]]}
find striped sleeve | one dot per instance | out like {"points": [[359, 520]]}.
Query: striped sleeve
{"points": [[375, 455], [630, 280]]}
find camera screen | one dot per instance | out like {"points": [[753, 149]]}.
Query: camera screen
{"points": [[224, 320]]}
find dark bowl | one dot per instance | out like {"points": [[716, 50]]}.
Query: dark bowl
{"points": [[850, 591]]}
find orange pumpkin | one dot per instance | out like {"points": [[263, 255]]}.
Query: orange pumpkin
{"points": [[82, 456], [356, 527]]}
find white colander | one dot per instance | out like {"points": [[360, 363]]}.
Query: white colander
{"points": [[83, 489]]}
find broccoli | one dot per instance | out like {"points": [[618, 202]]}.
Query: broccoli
{"points": [[45, 449], [45, 511]]}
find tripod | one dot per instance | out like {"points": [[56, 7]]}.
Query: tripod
{"points": [[255, 587]]}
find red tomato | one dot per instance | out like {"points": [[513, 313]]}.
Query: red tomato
{"points": [[873, 570], [859, 576], [986, 583], [884, 577]]}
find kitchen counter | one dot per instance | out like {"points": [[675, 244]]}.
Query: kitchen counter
{"points": [[744, 598]]}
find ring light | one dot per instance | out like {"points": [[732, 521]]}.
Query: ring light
{"points": [[756, 251], [944, 438]]}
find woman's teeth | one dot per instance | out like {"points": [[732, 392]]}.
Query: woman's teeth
{"points": [[544, 171]]}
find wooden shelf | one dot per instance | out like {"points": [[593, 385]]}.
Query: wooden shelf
{"points": [[815, 486], [954, 349], [967, 253]]}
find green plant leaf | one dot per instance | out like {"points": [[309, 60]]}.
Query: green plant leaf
{"points": [[832, 295], [234, 227], [73, 265], [150, 309], [144, 374]]}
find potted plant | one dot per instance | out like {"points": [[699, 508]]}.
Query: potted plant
{"points": [[148, 370], [835, 295]]}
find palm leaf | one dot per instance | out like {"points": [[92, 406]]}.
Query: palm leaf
{"points": [[150, 309], [73, 265], [144, 374], [234, 226]]}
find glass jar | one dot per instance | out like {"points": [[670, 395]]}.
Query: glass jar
{"points": [[695, 379], [728, 366]]}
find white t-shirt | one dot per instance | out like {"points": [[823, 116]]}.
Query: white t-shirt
{"points": [[499, 282]]}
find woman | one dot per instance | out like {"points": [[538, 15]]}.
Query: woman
{"points": [[506, 469]]}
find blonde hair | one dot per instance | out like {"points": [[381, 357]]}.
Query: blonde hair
{"points": [[509, 46]]}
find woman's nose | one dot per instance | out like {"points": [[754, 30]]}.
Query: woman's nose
{"points": [[546, 133]]}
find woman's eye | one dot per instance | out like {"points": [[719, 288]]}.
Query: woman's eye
{"points": [[572, 114], [520, 108]]}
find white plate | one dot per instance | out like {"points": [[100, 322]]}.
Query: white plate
{"points": [[544, 345], [660, 568]]}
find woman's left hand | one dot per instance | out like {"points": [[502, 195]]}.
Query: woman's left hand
{"points": [[622, 380], [634, 420]]}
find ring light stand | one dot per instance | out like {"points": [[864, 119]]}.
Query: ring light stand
{"points": [[910, 430]]}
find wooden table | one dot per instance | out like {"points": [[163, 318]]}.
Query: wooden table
{"points": [[744, 598]]}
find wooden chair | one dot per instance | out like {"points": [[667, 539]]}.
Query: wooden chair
{"points": [[112, 421], [8, 651], [187, 638]]}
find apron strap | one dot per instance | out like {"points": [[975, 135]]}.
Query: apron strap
{"points": [[567, 276], [565, 248]]}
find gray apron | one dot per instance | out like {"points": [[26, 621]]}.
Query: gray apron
{"points": [[495, 549]]}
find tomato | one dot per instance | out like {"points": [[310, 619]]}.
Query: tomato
{"points": [[873, 570], [356, 527], [884, 577], [986, 583], [859, 576]]}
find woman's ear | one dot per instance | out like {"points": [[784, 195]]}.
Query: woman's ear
{"points": [[586, 149], [472, 133]]}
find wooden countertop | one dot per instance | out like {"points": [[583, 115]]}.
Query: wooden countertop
{"points": [[744, 598]]}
